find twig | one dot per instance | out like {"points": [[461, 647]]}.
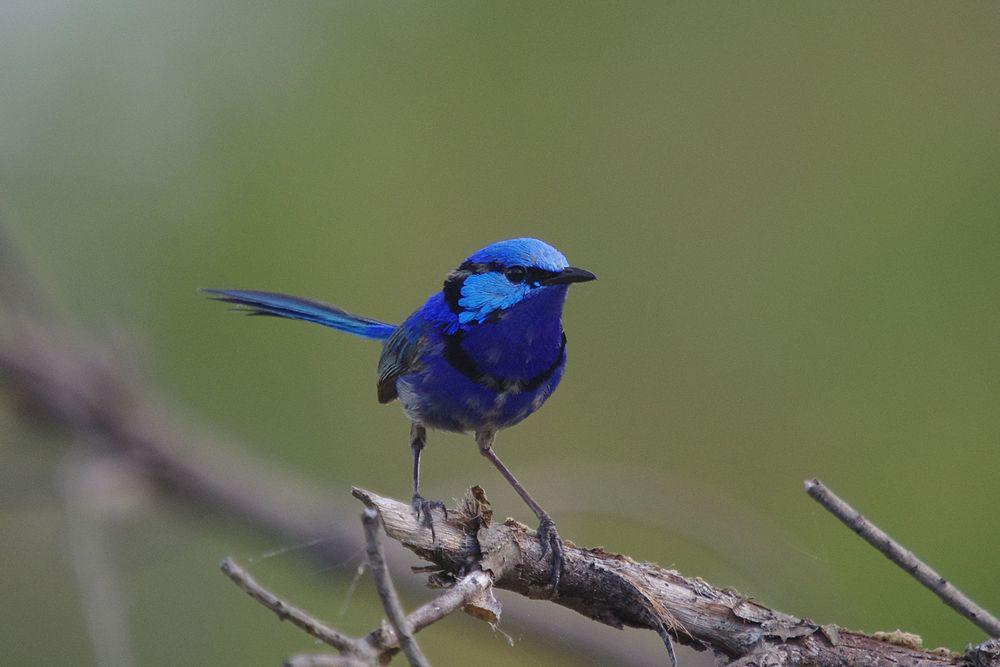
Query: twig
{"points": [[472, 592], [380, 644], [903, 557], [387, 592], [285, 611]]}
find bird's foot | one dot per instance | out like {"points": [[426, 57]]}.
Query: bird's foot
{"points": [[423, 508], [551, 542]]}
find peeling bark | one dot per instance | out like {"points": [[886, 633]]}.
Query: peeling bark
{"points": [[619, 591]]}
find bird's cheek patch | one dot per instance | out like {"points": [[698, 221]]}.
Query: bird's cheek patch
{"points": [[485, 293]]}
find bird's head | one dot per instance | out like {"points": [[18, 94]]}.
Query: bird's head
{"points": [[505, 274]]}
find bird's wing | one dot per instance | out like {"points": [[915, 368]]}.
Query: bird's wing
{"points": [[400, 355]]}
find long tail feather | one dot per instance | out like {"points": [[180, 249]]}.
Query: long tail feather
{"points": [[295, 308]]}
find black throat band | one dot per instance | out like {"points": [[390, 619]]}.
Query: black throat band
{"points": [[460, 360]]}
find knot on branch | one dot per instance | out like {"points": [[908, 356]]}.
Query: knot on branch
{"points": [[986, 654]]}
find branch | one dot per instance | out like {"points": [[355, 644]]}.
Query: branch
{"points": [[387, 592], [472, 592], [285, 611], [619, 591], [379, 645], [903, 557]]}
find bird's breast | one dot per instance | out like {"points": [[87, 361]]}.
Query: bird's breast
{"points": [[509, 357], [483, 379]]}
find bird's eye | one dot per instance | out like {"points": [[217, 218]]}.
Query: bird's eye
{"points": [[515, 274]]}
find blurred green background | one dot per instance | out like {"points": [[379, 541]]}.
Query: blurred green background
{"points": [[793, 209]]}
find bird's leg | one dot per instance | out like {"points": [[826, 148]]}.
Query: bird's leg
{"points": [[418, 438], [547, 534]]}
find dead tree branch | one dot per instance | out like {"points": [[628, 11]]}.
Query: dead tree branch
{"points": [[903, 557], [285, 611], [619, 591]]}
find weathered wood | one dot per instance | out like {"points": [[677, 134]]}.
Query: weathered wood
{"points": [[619, 591]]}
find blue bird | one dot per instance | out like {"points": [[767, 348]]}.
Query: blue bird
{"points": [[479, 356]]}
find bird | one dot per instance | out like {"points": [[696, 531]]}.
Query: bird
{"points": [[479, 356]]}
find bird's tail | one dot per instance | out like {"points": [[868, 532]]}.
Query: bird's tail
{"points": [[292, 307]]}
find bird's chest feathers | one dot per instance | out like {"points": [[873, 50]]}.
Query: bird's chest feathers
{"points": [[518, 344]]}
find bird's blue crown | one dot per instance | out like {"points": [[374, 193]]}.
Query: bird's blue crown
{"points": [[521, 252]]}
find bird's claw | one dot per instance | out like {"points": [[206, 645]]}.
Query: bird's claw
{"points": [[423, 508], [550, 541]]}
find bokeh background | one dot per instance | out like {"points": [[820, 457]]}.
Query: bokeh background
{"points": [[793, 209]]}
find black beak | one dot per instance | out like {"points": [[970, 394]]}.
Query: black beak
{"points": [[570, 274]]}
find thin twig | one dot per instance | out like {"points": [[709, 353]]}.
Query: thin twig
{"points": [[387, 592], [379, 645], [285, 611], [903, 557]]}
